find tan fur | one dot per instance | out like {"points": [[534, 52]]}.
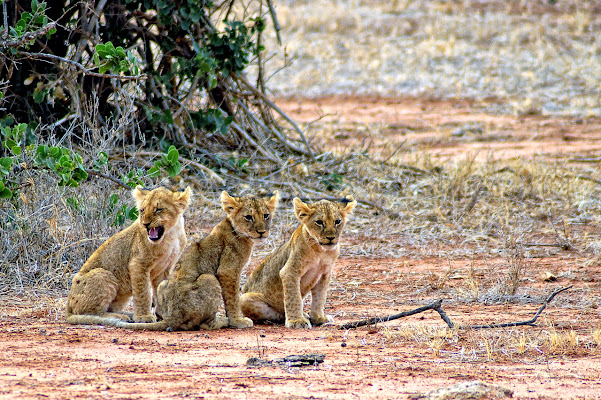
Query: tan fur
{"points": [[210, 269], [132, 262], [276, 288], [185, 305]]}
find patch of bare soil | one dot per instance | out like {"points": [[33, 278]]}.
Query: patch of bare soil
{"points": [[446, 129], [42, 357]]}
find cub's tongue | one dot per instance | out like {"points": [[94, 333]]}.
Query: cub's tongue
{"points": [[153, 233]]}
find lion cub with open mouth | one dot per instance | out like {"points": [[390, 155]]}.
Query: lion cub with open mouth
{"points": [[276, 288], [132, 262], [210, 270]]}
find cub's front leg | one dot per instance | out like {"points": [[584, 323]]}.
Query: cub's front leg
{"points": [[141, 287], [319, 294], [228, 275], [293, 301]]}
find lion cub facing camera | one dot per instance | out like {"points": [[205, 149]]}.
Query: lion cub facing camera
{"points": [[276, 288], [132, 262], [210, 269]]}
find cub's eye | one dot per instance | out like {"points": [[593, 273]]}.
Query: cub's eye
{"points": [[159, 210], [249, 218], [319, 222], [266, 216], [337, 222]]}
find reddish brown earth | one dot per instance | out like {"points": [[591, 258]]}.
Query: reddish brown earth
{"points": [[41, 357], [445, 128]]}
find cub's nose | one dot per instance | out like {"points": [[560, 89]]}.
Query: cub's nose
{"points": [[261, 232], [330, 237]]}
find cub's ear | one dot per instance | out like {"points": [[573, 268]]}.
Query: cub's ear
{"points": [[272, 203], [182, 199], [229, 203], [139, 193], [347, 206], [302, 210]]}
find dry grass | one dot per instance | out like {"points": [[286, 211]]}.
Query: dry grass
{"points": [[533, 56], [531, 345]]}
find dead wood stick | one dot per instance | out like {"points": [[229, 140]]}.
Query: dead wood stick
{"points": [[437, 306], [432, 306], [271, 104], [530, 322]]}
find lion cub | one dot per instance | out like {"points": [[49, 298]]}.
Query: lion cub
{"points": [[131, 262], [210, 269], [276, 288]]}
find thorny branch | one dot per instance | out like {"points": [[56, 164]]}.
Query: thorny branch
{"points": [[437, 306]]}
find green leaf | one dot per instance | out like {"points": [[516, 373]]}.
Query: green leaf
{"points": [[173, 169], [154, 171], [172, 154], [132, 213], [5, 164], [167, 117], [9, 143], [6, 193], [55, 152], [42, 151]]}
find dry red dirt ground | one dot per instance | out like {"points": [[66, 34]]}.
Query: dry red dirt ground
{"points": [[41, 357]]}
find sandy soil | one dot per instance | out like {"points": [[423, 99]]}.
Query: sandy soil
{"points": [[446, 129], [41, 357]]}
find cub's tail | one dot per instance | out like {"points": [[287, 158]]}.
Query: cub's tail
{"points": [[148, 326], [77, 319]]}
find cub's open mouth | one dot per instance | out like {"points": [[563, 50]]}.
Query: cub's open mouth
{"points": [[155, 233]]}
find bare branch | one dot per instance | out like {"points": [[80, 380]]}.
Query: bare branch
{"points": [[274, 18], [28, 37], [212, 174], [110, 178], [279, 111], [437, 306], [81, 67]]}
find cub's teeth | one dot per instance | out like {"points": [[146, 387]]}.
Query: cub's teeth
{"points": [[153, 233]]}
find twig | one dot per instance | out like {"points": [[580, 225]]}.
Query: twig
{"points": [[395, 151], [437, 306], [275, 132], [279, 111], [530, 322], [184, 102], [371, 321], [28, 37], [110, 178], [276, 24], [81, 66], [250, 141], [212, 174]]}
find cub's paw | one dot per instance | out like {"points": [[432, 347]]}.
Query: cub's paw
{"points": [[217, 323], [145, 318], [300, 323], [240, 323], [321, 319]]}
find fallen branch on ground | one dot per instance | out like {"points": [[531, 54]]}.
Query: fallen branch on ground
{"points": [[437, 306]]}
